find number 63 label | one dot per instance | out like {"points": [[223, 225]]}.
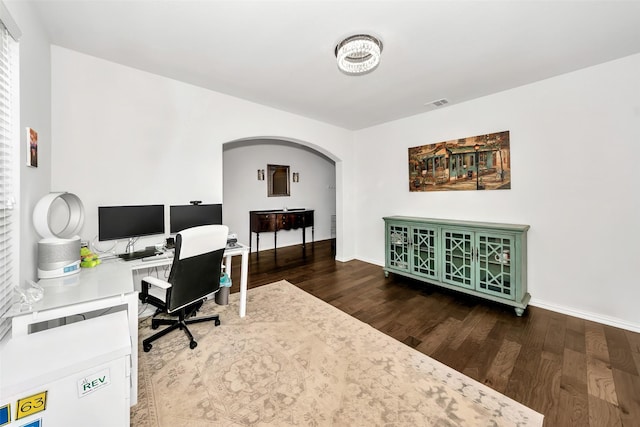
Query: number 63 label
{"points": [[31, 405]]}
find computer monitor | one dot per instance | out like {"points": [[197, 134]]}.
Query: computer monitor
{"points": [[186, 216], [129, 222]]}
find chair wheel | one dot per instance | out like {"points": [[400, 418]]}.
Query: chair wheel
{"points": [[216, 322], [154, 325], [147, 347], [193, 345]]}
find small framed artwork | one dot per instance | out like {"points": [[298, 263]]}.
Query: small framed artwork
{"points": [[32, 149]]}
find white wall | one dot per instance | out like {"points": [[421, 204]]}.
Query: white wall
{"points": [[123, 136], [243, 192], [575, 143], [35, 112]]}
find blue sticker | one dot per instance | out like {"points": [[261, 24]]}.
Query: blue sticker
{"points": [[35, 423], [5, 415]]}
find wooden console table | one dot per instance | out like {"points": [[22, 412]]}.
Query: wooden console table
{"points": [[275, 220]]}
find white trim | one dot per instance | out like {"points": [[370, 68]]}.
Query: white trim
{"points": [[10, 204], [9, 23], [606, 320]]}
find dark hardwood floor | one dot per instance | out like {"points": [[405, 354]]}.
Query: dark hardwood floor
{"points": [[575, 372]]}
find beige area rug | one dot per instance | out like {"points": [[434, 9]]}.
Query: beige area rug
{"points": [[295, 360]]}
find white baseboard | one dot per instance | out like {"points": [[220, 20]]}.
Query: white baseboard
{"points": [[371, 261], [594, 317], [606, 320]]}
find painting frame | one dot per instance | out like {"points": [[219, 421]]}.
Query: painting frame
{"points": [[481, 162], [32, 148]]}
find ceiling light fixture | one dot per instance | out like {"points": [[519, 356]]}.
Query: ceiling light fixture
{"points": [[359, 54]]}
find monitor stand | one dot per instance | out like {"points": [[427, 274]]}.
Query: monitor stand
{"points": [[131, 245]]}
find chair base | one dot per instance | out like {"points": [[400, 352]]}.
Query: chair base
{"points": [[180, 323]]}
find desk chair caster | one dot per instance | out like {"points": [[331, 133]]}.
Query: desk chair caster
{"points": [[147, 347]]}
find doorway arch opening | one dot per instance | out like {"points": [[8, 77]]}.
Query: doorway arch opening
{"points": [[313, 184]]}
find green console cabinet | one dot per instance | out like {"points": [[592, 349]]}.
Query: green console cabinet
{"points": [[488, 260]]}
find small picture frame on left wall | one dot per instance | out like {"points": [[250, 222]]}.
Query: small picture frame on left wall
{"points": [[32, 148]]}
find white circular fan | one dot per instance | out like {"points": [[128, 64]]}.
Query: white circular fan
{"points": [[58, 215]]}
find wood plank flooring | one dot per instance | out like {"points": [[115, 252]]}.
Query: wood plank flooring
{"points": [[575, 372]]}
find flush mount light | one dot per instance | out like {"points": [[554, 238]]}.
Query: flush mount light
{"points": [[359, 54]]}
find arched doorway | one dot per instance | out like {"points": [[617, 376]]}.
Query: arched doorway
{"points": [[244, 190]]}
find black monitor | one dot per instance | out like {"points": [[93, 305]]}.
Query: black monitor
{"points": [[186, 216], [128, 222]]}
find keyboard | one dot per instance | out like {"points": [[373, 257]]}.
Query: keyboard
{"points": [[138, 254]]}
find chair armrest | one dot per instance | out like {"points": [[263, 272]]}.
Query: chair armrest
{"points": [[156, 282], [155, 295]]}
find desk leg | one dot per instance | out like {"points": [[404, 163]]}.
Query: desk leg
{"points": [[227, 265], [243, 283], [132, 311]]}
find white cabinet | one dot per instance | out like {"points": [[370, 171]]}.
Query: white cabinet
{"points": [[72, 375]]}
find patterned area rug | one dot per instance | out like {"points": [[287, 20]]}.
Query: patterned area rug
{"points": [[295, 360]]}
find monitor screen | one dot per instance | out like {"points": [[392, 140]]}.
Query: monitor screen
{"points": [[126, 222], [186, 216]]}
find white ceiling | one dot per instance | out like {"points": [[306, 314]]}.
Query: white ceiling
{"points": [[281, 53]]}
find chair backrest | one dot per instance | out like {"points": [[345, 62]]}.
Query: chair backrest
{"points": [[195, 272]]}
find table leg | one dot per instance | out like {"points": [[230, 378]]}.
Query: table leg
{"points": [[227, 265], [243, 283]]}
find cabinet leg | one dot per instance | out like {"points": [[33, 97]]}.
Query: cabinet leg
{"points": [[519, 311], [386, 274]]}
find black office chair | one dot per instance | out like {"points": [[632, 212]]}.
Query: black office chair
{"points": [[195, 273]]}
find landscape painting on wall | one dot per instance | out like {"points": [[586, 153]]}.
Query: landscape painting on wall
{"points": [[480, 162]]}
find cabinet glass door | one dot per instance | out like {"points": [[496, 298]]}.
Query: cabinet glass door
{"points": [[495, 269], [457, 249], [398, 236], [424, 262]]}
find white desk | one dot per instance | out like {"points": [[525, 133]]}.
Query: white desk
{"points": [[106, 286], [166, 259]]}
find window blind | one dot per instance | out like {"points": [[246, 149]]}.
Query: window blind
{"points": [[9, 148]]}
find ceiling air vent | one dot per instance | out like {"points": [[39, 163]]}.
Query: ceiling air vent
{"points": [[438, 102]]}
